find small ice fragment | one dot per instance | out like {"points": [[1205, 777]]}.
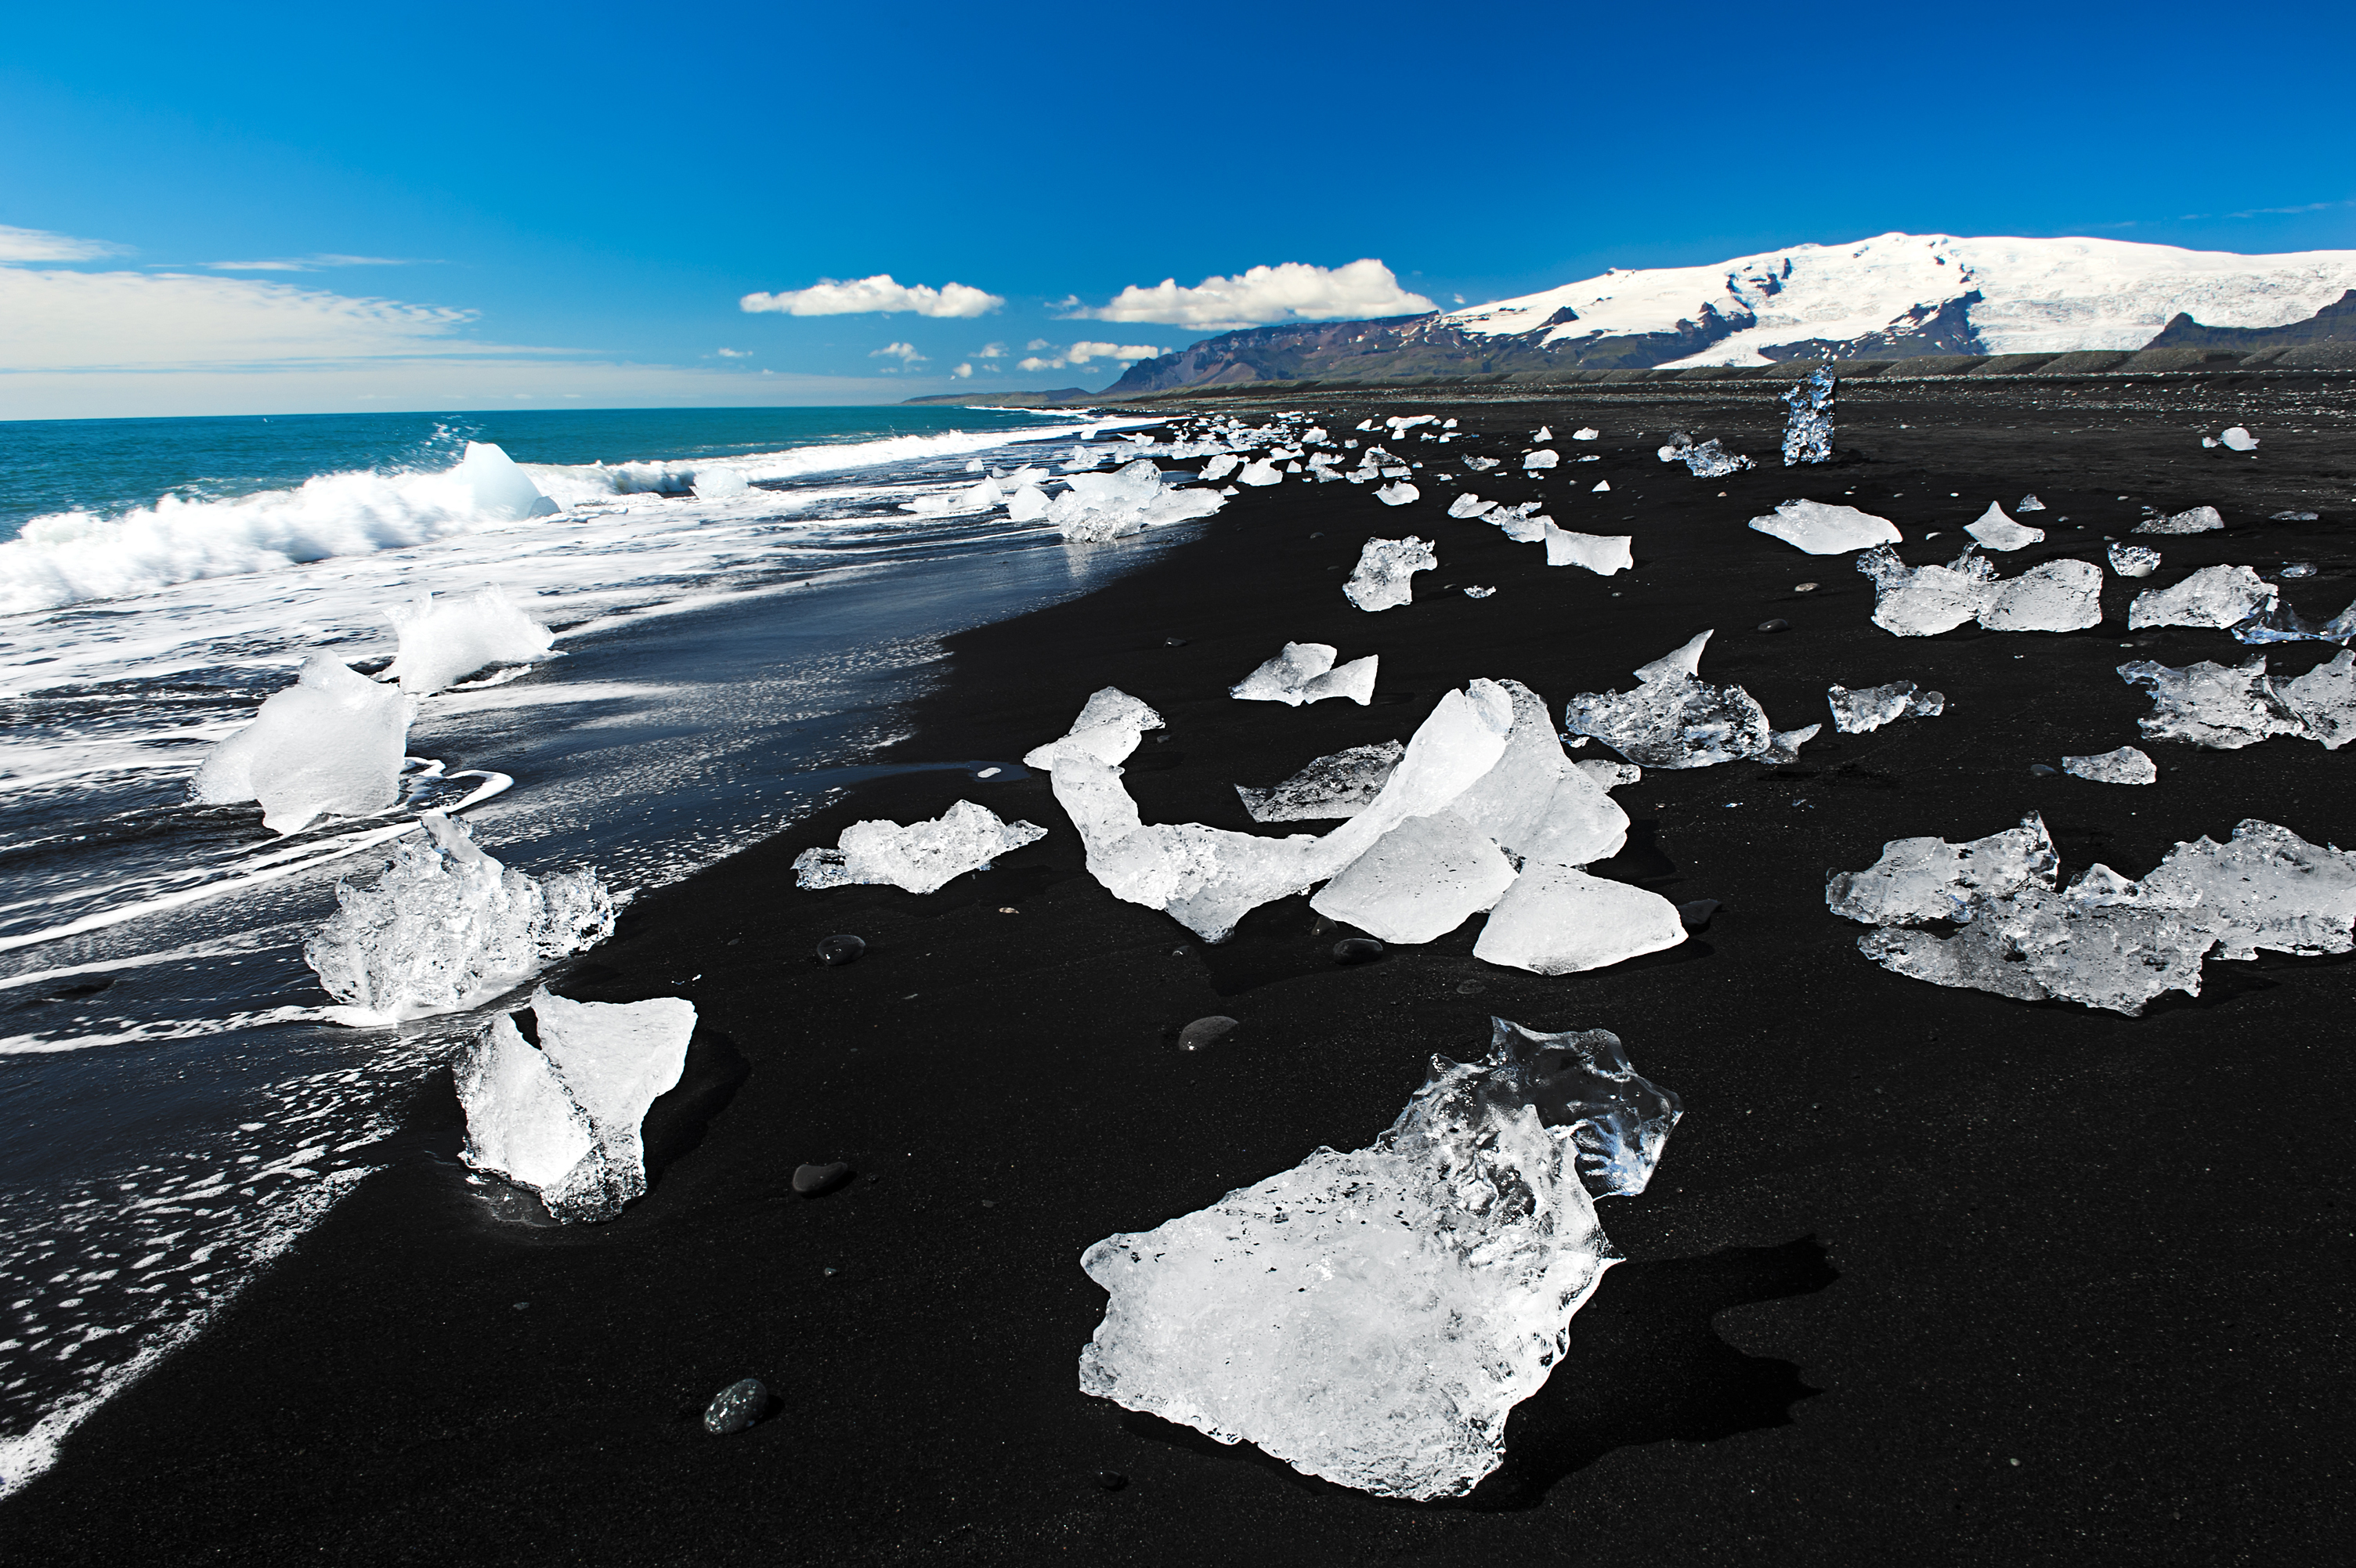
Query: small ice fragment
{"points": [[443, 641], [1478, 593], [2239, 439], [1601, 485], [1110, 725], [2125, 766], [921, 857], [2296, 569], [1808, 434], [1542, 458], [1998, 532], [2293, 517], [1521, 523], [1855, 713], [2134, 559], [564, 1119], [1418, 882], [1469, 505], [1482, 464], [1397, 494], [446, 928], [1384, 575], [502, 492], [1821, 528], [738, 1405], [1305, 673], [1707, 461], [1543, 432], [1585, 434], [1373, 1317], [1555, 919], [330, 744], [2029, 503], [2275, 621], [1604, 555], [1028, 504], [2199, 520], [1340, 786], [2212, 596]]}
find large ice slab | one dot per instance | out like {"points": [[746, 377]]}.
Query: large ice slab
{"points": [[330, 744], [1808, 434], [446, 928], [564, 1118], [1930, 879], [2266, 887], [1822, 528], [921, 857], [1421, 881], [1110, 725], [1335, 787], [1305, 673], [1104, 506], [2059, 595], [1675, 719], [1870, 708], [1994, 531], [1374, 1316], [1557, 919], [2212, 596], [443, 641], [2225, 707], [1601, 553], [1384, 578]]}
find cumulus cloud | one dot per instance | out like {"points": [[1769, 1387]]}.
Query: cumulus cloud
{"points": [[39, 246], [1039, 364], [1294, 290], [903, 352], [962, 372], [990, 351], [734, 353], [878, 295], [1082, 352]]}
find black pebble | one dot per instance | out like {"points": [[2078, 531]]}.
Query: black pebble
{"points": [[1203, 1032], [1174, 642], [1111, 1480], [1695, 917], [1777, 625], [815, 1181], [1358, 949], [840, 950], [2042, 770]]}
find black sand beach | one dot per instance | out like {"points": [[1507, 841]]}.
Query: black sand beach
{"points": [[1925, 1275]]}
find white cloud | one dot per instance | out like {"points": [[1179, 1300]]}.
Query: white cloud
{"points": [[1294, 290], [903, 352], [990, 351], [1037, 343], [878, 294], [734, 353], [40, 246], [308, 264], [1036, 364], [962, 372], [1082, 352]]}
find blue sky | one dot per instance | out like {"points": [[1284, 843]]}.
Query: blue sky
{"points": [[463, 207]]}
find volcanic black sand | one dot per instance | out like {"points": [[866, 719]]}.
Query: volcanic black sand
{"points": [[1926, 1275]]}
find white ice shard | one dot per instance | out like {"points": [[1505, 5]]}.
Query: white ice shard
{"points": [[1478, 591], [1930, 880], [1469, 505], [564, 1118], [2238, 440], [1585, 432], [2029, 503], [1027, 504], [1675, 719], [2125, 766], [1599, 485], [1924, 601], [1261, 472], [1870, 708], [1219, 467], [1331, 788], [1808, 434], [2322, 701], [1821, 528], [2277, 621], [1543, 432], [2057, 595], [1523, 523], [1533, 803], [1305, 673], [1110, 725], [1604, 555], [1996, 531], [1421, 881], [502, 492], [1482, 464], [1707, 461], [921, 857], [2199, 520], [1384, 578], [446, 928], [1555, 919], [2212, 596], [330, 744], [444, 640], [1374, 1316], [2134, 559], [1397, 494], [1101, 506], [1533, 461]]}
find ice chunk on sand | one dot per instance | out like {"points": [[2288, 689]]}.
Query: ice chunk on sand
{"points": [[1384, 575], [1808, 434], [1532, 461], [2267, 889], [921, 857], [1996, 531], [502, 492], [1219, 467], [1261, 472], [2238, 439], [1927, 600], [564, 1119], [2199, 519], [2125, 766], [2058, 596], [1675, 719], [2134, 559], [1555, 919], [1478, 591], [1397, 494], [2214, 705], [1111, 722], [443, 641], [1374, 1316], [329, 745], [1604, 555], [2323, 702], [2029, 503], [1133, 498], [1421, 881], [1482, 464], [446, 928], [1533, 803], [1469, 505], [1855, 713], [1029, 503], [1338, 785], [1930, 879], [2212, 596], [1707, 461], [1304, 672], [1523, 523], [1585, 432], [1823, 528], [2278, 622]]}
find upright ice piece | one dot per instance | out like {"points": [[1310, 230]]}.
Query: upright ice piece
{"points": [[564, 1119], [2125, 766], [330, 744], [1821, 528], [1855, 713], [1110, 725], [1339, 785], [1808, 436], [447, 928], [2212, 596], [1305, 673], [921, 857], [1996, 531], [1374, 1316], [1385, 572], [1555, 919], [2199, 520], [1675, 719], [442, 642], [1421, 881], [502, 491], [1604, 555], [2134, 559]]}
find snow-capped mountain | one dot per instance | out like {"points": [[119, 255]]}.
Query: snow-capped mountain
{"points": [[1892, 296]]}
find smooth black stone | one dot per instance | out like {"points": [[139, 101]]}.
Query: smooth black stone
{"points": [[2042, 770], [1111, 1480], [737, 1407], [1358, 949], [816, 1181], [1779, 624], [1174, 642], [840, 950], [1694, 915], [1203, 1032]]}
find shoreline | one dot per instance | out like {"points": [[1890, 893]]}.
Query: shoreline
{"points": [[1947, 1231]]}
